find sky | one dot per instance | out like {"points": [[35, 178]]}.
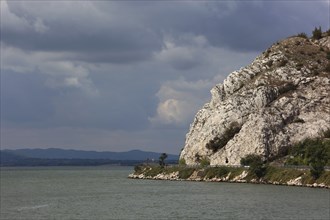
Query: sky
{"points": [[123, 75]]}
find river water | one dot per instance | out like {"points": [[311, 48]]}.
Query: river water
{"points": [[106, 193]]}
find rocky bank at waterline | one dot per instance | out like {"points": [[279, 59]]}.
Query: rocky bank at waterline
{"points": [[275, 176]]}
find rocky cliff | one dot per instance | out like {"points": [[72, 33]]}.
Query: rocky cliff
{"points": [[283, 97]]}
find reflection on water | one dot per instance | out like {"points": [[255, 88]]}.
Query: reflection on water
{"points": [[32, 207]]}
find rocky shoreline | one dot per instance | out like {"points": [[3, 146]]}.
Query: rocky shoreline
{"points": [[241, 178]]}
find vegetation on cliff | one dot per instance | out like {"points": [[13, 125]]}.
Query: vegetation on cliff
{"points": [[303, 164], [271, 175], [313, 153]]}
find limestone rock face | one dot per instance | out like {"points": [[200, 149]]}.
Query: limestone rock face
{"points": [[283, 97]]}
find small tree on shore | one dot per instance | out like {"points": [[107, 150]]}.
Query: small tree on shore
{"points": [[256, 164], [317, 169], [317, 158], [162, 158]]}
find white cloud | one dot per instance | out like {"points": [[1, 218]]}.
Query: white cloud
{"points": [[172, 111], [19, 22], [59, 73], [39, 26], [183, 53], [36, 12], [179, 101], [11, 20], [190, 52], [68, 74], [72, 81]]}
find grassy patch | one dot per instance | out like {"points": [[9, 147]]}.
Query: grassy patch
{"points": [[185, 173], [235, 171], [219, 172], [302, 35], [307, 178], [171, 169], [282, 174], [153, 171], [324, 178]]}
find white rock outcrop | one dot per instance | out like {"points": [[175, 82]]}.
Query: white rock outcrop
{"points": [[283, 97]]}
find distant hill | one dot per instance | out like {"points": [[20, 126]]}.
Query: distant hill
{"points": [[56, 156], [56, 153], [8, 157]]}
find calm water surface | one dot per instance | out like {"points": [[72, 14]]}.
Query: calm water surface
{"points": [[107, 193]]}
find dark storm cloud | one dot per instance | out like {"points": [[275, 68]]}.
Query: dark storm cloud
{"points": [[70, 39], [132, 31], [255, 26], [243, 25], [23, 100], [115, 74], [89, 37], [26, 101]]}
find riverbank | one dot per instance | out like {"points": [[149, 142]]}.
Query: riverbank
{"points": [[273, 175]]}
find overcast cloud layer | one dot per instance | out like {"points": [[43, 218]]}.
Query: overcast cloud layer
{"points": [[116, 76]]}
